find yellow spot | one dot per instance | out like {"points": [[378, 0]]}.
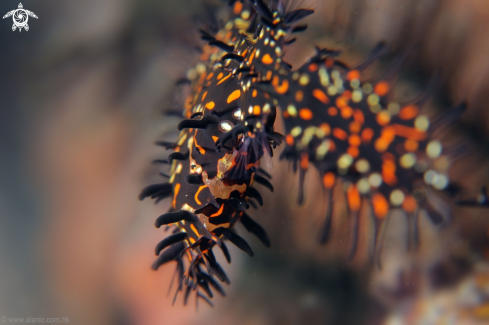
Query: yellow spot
{"points": [[296, 131], [304, 80], [383, 117], [210, 105], [266, 59], [234, 95], [292, 110], [345, 161]]}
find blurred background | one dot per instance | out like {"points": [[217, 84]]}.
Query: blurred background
{"points": [[82, 97]]}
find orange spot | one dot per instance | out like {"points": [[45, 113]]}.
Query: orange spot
{"points": [[347, 94], [313, 67], [380, 205], [254, 93], [328, 180], [353, 74], [333, 111], [224, 79], [340, 134], [304, 161], [275, 78], [346, 112], [409, 204], [220, 75], [215, 138], [354, 140], [408, 132], [175, 191], [201, 150], [218, 213], [238, 6], [332, 146], [285, 114], [252, 56], [326, 128], [341, 102], [234, 95], [411, 145], [355, 127], [389, 172], [299, 96], [383, 118], [353, 197], [320, 95], [203, 96], [381, 145], [196, 197], [329, 62], [353, 151], [408, 112], [210, 105], [305, 114], [358, 116], [267, 59], [289, 140], [256, 110], [282, 89], [382, 88], [192, 226], [249, 166], [210, 76]]}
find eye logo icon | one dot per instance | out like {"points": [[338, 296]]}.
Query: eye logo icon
{"points": [[20, 17]]}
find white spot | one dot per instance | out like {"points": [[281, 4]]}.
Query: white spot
{"points": [[363, 186], [397, 197], [355, 83], [296, 131], [430, 176], [357, 95], [373, 99], [394, 108], [422, 123], [367, 88], [433, 150], [237, 114], [225, 126], [375, 180], [440, 182], [362, 165], [407, 160]]}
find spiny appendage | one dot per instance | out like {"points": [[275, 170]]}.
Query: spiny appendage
{"points": [[350, 130], [208, 198]]}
